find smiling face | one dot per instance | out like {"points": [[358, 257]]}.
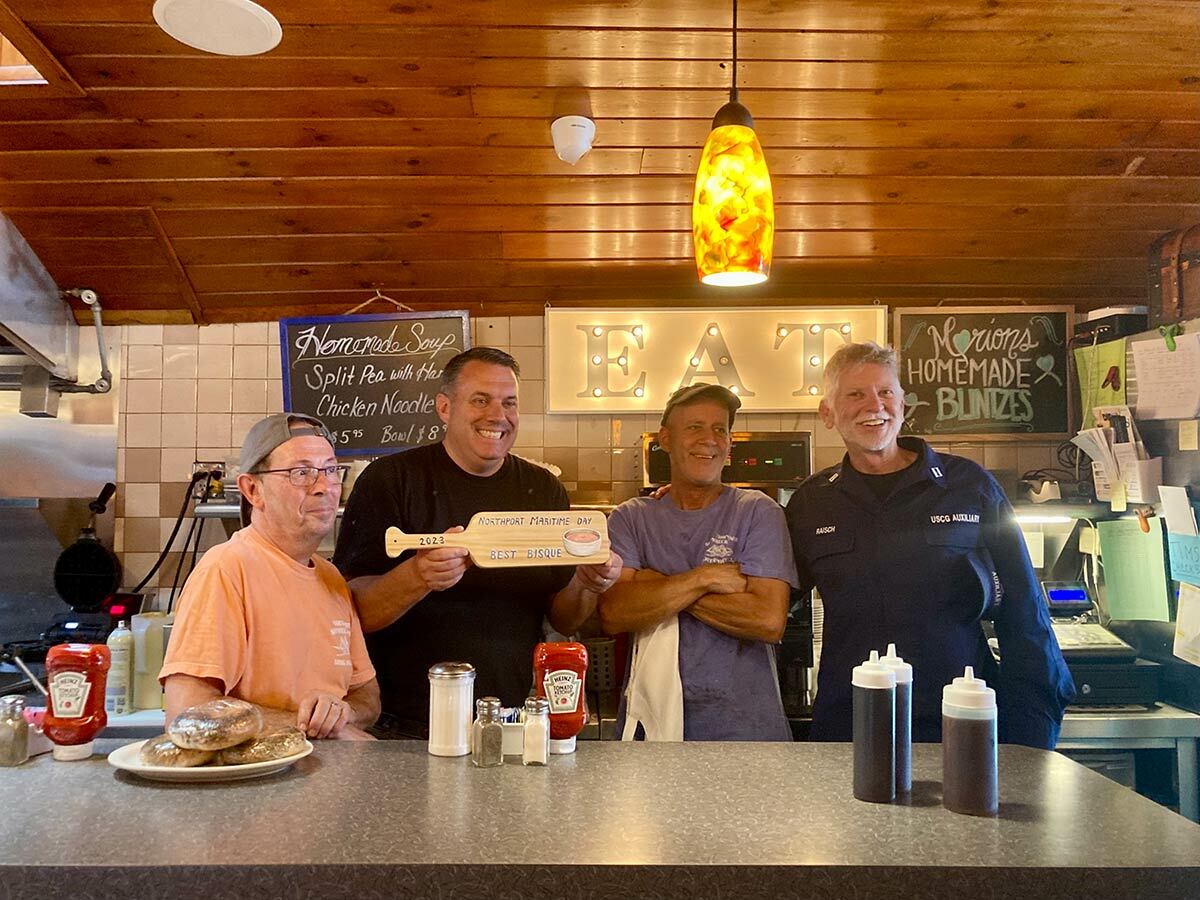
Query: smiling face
{"points": [[696, 437], [866, 406], [481, 417]]}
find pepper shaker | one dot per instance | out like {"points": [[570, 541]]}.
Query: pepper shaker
{"points": [[487, 737]]}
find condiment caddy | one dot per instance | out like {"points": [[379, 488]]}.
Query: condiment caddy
{"points": [[547, 724]]}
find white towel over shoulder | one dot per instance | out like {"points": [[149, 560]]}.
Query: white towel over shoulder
{"points": [[654, 696]]}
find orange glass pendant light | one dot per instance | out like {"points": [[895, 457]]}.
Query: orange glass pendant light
{"points": [[733, 214]]}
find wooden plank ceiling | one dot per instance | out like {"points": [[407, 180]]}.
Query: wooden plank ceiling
{"points": [[965, 149]]}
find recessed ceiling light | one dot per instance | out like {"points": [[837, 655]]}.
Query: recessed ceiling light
{"points": [[227, 27]]}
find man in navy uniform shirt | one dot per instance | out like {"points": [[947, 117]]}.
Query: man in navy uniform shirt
{"points": [[914, 547]]}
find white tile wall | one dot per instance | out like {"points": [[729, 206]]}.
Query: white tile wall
{"points": [[214, 395], [141, 500], [250, 362], [179, 395], [143, 395], [144, 362], [526, 331], [216, 334], [215, 360], [491, 331], [142, 430], [180, 360]]}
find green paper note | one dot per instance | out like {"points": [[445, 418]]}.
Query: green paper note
{"points": [[1092, 364], [1135, 574]]}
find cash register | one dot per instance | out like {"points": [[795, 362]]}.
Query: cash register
{"points": [[1105, 668]]}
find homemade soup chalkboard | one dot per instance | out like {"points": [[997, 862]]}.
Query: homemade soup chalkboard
{"points": [[987, 372], [371, 379]]}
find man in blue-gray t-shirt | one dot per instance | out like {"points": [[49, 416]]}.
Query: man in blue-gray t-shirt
{"points": [[718, 561]]}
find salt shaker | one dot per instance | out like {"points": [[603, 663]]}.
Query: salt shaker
{"points": [[969, 772], [536, 750], [874, 710], [487, 738], [451, 688], [14, 732], [904, 681]]}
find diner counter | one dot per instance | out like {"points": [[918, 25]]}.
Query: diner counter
{"points": [[664, 820]]}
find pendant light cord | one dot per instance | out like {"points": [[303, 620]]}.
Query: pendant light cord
{"points": [[733, 91]]}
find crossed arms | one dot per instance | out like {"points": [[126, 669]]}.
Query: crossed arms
{"points": [[742, 606]]}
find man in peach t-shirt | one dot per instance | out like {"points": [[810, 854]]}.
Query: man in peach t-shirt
{"points": [[262, 618]]}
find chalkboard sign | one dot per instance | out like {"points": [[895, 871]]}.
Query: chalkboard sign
{"points": [[371, 379], [984, 372]]}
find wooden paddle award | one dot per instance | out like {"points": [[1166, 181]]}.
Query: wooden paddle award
{"points": [[495, 540]]}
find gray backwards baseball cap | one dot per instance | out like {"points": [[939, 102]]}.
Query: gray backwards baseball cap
{"points": [[267, 434], [702, 391]]}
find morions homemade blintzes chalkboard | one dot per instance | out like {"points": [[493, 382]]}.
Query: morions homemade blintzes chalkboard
{"points": [[371, 379], [984, 372]]}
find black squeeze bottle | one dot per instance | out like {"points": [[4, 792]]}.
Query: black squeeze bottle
{"points": [[904, 675], [874, 731], [969, 773]]}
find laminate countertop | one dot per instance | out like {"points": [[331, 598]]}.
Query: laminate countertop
{"points": [[386, 819]]}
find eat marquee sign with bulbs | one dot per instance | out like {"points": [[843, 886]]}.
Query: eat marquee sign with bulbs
{"points": [[631, 361]]}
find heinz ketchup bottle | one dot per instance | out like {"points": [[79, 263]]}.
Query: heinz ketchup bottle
{"points": [[559, 670], [75, 675]]}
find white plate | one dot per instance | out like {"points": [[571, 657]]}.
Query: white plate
{"points": [[126, 758]]}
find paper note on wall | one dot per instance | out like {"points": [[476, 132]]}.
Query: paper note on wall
{"points": [[1101, 372], [1177, 509], [1189, 434], [1183, 550], [1135, 572], [1168, 381], [1187, 625]]}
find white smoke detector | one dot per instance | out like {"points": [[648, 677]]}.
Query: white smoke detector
{"points": [[572, 137], [227, 27]]}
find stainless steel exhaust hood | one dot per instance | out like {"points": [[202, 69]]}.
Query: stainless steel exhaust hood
{"points": [[33, 317]]}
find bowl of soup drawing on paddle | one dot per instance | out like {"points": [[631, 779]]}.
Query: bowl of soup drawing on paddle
{"points": [[582, 541]]}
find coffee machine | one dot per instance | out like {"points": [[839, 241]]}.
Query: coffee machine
{"points": [[774, 462]]}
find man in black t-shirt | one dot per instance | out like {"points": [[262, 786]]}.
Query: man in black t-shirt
{"points": [[433, 605]]}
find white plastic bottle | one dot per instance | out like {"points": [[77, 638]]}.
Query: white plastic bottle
{"points": [[904, 677], [874, 731], [969, 772], [118, 694]]}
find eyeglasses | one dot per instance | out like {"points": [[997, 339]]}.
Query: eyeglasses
{"points": [[306, 476]]}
